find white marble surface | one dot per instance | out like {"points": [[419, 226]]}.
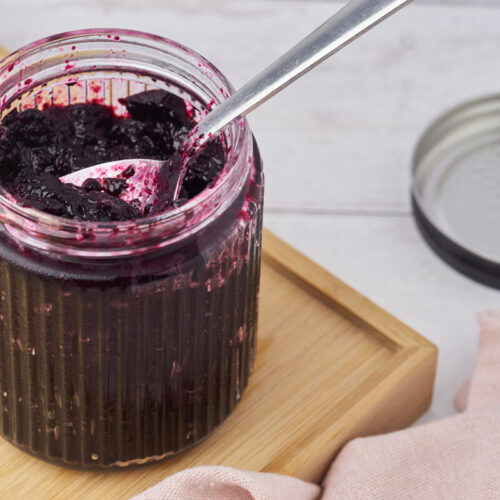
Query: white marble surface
{"points": [[337, 145]]}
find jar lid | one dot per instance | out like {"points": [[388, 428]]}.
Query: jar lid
{"points": [[456, 188]]}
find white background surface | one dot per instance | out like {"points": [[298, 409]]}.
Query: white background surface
{"points": [[337, 145]]}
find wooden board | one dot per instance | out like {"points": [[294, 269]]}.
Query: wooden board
{"points": [[330, 366]]}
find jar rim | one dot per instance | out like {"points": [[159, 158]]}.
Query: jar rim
{"points": [[23, 218]]}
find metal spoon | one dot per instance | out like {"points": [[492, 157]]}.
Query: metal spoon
{"points": [[150, 179]]}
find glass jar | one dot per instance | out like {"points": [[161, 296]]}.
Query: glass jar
{"points": [[126, 342]]}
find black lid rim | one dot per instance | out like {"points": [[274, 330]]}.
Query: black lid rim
{"points": [[471, 265]]}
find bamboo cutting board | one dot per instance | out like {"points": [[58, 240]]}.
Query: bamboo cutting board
{"points": [[330, 366]]}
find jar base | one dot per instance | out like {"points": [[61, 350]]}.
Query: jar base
{"points": [[131, 464]]}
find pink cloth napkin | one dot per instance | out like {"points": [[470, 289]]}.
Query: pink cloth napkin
{"points": [[456, 458]]}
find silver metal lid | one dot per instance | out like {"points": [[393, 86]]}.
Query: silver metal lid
{"points": [[456, 188]]}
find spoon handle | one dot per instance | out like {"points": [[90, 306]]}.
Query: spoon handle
{"points": [[351, 21]]}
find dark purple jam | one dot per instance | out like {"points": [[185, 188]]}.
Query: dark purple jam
{"points": [[39, 146], [116, 361]]}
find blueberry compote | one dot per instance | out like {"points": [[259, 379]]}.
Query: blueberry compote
{"points": [[39, 146], [115, 360]]}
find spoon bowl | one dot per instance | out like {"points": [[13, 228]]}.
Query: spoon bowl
{"points": [[149, 182]]}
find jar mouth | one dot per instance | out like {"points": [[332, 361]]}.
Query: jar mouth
{"points": [[29, 69]]}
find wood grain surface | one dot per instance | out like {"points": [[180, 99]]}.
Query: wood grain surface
{"points": [[330, 366]]}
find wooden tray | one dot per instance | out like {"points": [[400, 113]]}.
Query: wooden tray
{"points": [[330, 366]]}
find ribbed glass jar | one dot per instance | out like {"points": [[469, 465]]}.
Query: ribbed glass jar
{"points": [[126, 342]]}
